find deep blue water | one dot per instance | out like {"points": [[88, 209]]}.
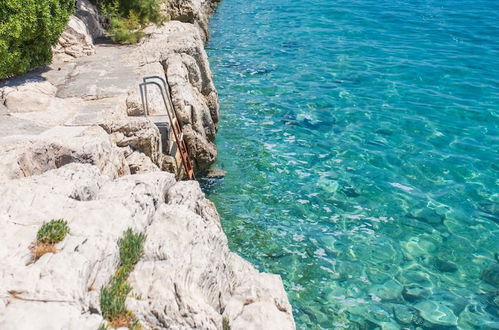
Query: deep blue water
{"points": [[361, 144]]}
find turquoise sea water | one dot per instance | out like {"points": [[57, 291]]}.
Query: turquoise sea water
{"points": [[361, 144]]}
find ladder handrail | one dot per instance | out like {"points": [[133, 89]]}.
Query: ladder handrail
{"points": [[166, 87], [164, 93]]}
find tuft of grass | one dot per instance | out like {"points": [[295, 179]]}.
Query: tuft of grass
{"points": [[131, 246], [225, 323], [49, 234], [113, 295], [52, 232], [102, 326]]}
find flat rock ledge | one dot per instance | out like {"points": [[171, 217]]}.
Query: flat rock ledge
{"points": [[74, 145]]}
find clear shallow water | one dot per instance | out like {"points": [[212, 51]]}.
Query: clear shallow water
{"points": [[361, 142]]}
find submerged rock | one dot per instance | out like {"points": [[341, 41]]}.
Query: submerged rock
{"points": [[403, 313], [436, 312], [390, 290], [427, 215], [216, 173], [414, 292], [490, 275], [444, 266]]}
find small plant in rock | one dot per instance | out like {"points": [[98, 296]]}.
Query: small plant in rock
{"points": [[49, 234], [131, 246], [52, 232], [112, 301], [113, 295], [225, 323], [102, 327]]}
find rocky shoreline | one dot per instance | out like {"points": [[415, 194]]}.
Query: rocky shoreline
{"points": [[74, 145]]}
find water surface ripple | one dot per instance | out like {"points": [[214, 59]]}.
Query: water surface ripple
{"points": [[361, 143]]}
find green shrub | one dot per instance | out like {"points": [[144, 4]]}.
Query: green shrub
{"points": [[52, 232], [28, 30], [127, 18], [125, 30]]}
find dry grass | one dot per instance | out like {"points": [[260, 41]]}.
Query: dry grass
{"points": [[122, 321], [39, 249], [49, 234]]}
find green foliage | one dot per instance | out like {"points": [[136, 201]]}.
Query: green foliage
{"points": [[102, 326], [125, 30], [28, 30], [225, 323], [52, 232], [113, 295], [127, 18], [131, 246]]}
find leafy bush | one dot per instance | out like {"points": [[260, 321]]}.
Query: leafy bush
{"points": [[113, 295], [52, 232], [28, 30], [127, 18]]}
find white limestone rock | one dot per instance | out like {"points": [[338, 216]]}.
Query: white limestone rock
{"points": [[195, 12], [138, 133], [155, 101], [30, 95], [180, 48], [187, 277], [77, 39], [3, 110], [140, 163], [23, 156], [98, 211], [191, 279], [89, 14]]}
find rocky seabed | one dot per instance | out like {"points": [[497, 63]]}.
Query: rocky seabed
{"points": [[73, 147]]}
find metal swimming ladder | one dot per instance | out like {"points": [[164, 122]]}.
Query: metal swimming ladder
{"points": [[164, 88]]}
